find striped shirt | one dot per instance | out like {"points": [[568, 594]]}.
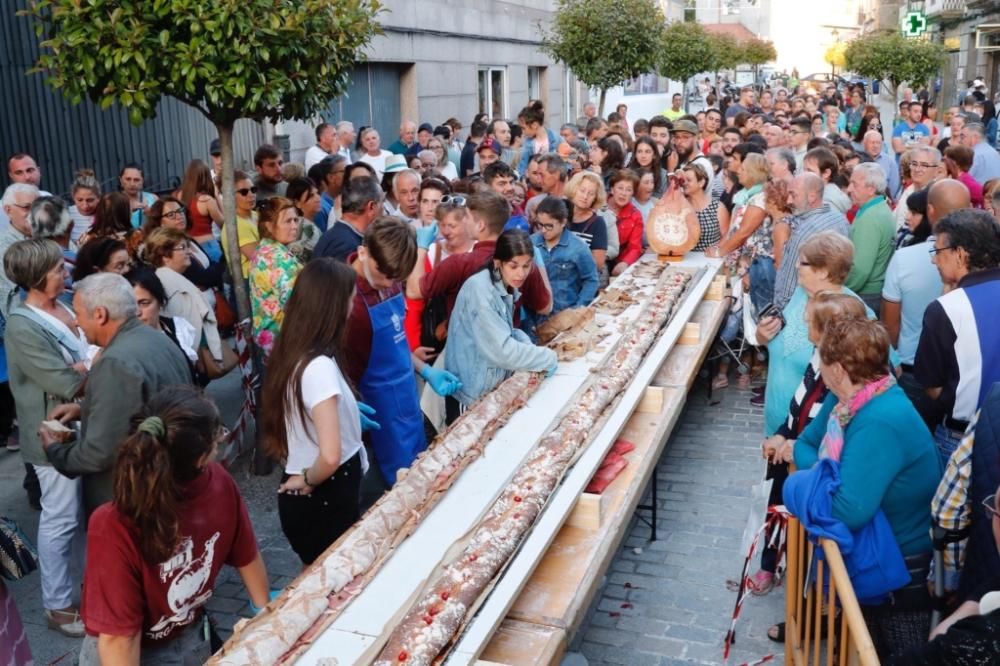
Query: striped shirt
{"points": [[950, 508], [959, 348], [804, 226]]}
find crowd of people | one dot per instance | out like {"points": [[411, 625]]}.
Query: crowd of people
{"points": [[391, 288]]}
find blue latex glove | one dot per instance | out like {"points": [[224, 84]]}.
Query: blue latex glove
{"points": [[443, 382], [270, 597], [539, 257], [551, 370], [426, 236], [366, 412]]}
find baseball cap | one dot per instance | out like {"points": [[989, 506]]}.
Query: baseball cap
{"points": [[215, 148], [685, 126], [490, 144], [426, 127], [395, 163]]}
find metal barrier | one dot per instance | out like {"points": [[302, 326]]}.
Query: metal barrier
{"points": [[811, 615]]}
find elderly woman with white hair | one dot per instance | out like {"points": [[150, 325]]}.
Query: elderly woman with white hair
{"points": [[46, 354], [873, 234], [780, 163]]}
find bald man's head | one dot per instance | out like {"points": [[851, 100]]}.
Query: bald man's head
{"points": [[945, 196], [806, 192]]}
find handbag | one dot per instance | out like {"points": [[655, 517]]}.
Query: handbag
{"points": [[18, 556], [212, 368], [225, 318]]}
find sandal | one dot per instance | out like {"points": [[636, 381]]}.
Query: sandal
{"points": [[761, 583], [720, 382]]}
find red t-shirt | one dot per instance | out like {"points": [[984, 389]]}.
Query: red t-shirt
{"points": [[358, 336], [449, 276], [123, 594]]}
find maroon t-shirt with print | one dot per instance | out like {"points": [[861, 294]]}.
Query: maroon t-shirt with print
{"points": [[123, 594]]}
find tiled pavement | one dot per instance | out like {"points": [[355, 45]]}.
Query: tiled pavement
{"points": [[666, 603]]}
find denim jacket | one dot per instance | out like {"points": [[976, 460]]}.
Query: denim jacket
{"points": [[572, 271], [483, 346], [528, 149]]}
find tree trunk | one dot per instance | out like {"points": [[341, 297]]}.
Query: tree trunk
{"points": [[600, 106], [262, 465], [229, 220]]}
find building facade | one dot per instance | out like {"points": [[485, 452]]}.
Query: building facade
{"points": [[439, 59], [970, 32]]}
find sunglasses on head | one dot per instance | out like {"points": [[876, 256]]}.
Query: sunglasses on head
{"points": [[453, 200]]}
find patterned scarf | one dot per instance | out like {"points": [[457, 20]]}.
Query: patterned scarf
{"points": [[833, 441]]}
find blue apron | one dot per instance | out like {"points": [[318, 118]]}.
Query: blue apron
{"points": [[388, 385]]}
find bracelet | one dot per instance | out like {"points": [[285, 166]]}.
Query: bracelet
{"points": [[305, 477]]}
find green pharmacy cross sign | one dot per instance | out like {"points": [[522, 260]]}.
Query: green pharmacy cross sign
{"points": [[915, 24]]}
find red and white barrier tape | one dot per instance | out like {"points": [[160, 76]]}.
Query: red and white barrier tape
{"points": [[777, 524], [249, 382]]}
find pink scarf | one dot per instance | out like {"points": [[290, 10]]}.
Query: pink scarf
{"points": [[833, 441]]}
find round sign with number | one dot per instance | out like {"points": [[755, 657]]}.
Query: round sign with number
{"points": [[672, 228]]}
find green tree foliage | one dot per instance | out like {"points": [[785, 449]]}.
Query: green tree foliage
{"points": [[725, 50], [756, 52], [579, 38], [230, 59], [686, 50], [891, 57]]}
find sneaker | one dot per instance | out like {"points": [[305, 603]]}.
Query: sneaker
{"points": [[757, 400], [758, 390], [66, 621]]}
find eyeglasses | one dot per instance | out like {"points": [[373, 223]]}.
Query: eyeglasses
{"points": [[546, 227], [935, 250], [244, 191], [990, 504], [453, 199], [924, 165], [181, 247], [175, 213]]}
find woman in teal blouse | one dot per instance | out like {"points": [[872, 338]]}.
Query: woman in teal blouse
{"points": [[888, 462]]}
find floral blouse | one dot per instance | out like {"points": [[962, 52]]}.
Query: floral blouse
{"points": [[272, 276], [760, 242]]}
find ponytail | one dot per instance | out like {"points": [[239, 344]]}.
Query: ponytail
{"points": [[170, 437]]}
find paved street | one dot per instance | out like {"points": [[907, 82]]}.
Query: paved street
{"points": [[668, 603], [665, 604]]}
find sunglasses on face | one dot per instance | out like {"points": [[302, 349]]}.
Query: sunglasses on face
{"points": [[244, 191]]}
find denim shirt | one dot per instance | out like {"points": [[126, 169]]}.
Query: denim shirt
{"points": [[528, 149], [483, 346], [572, 270]]}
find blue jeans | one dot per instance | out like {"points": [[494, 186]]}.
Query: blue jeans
{"points": [[762, 276], [947, 440]]}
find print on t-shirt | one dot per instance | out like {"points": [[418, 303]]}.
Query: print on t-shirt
{"points": [[187, 578]]}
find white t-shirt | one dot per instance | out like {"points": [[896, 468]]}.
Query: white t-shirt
{"points": [[376, 162], [313, 155], [322, 379], [81, 223]]}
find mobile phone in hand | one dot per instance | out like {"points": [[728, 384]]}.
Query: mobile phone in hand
{"points": [[771, 310]]}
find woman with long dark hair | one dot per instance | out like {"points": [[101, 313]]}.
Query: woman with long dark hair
{"points": [[155, 550], [483, 346], [646, 155], [113, 219], [312, 421], [203, 207]]}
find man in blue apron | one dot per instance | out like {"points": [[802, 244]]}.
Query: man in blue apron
{"points": [[376, 354]]}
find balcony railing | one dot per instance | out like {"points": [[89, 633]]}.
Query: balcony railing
{"points": [[945, 9]]}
